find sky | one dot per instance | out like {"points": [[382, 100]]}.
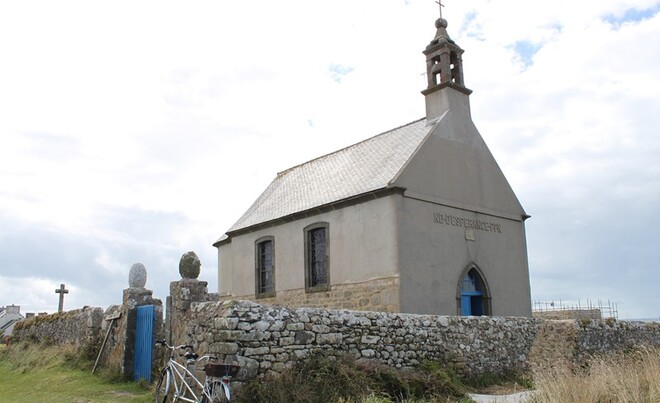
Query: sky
{"points": [[137, 131]]}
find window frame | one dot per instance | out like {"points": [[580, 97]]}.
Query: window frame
{"points": [[258, 267], [309, 287]]}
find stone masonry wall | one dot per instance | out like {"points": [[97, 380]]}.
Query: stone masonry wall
{"points": [[598, 337], [555, 343], [594, 314], [86, 328], [76, 327], [374, 295], [268, 339]]}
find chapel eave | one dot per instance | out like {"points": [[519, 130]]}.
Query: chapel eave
{"points": [[336, 205]]}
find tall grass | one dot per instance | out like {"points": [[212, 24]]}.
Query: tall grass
{"points": [[624, 377]]}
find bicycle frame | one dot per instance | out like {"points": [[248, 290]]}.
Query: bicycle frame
{"points": [[181, 386], [181, 382]]}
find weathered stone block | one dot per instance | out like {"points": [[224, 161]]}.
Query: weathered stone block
{"points": [[370, 339], [225, 323], [329, 338], [304, 337], [261, 325], [287, 341], [368, 353], [256, 351], [223, 348], [228, 335]]}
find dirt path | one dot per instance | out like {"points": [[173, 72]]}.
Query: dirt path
{"points": [[520, 397]]}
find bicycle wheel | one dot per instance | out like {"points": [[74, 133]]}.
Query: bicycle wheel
{"points": [[216, 391], [225, 390], [163, 386]]}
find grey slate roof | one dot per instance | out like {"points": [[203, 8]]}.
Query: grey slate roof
{"points": [[361, 168]]}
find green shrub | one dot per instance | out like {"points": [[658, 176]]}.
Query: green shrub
{"points": [[333, 379], [490, 379]]}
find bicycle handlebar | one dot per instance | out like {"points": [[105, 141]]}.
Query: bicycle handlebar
{"points": [[189, 354], [181, 347]]}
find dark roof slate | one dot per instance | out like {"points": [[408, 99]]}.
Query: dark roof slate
{"points": [[364, 167]]}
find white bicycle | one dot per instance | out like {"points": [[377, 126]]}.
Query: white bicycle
{"points": [[178, 383]]}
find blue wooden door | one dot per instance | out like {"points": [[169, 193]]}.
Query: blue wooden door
{"points": [[144, 341], [472, 296], [472, 304], [466, 306]]}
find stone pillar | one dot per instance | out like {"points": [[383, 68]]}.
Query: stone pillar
{"points": [[182, 294], [134, 296]]}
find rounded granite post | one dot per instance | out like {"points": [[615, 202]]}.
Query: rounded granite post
{"points": [[182, 294]]}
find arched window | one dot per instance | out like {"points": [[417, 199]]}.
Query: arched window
{"points": [[474, 299]]}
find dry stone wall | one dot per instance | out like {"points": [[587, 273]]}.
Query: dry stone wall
{"points": [[269, 339], [599, 337], [266, 339], [76, 327], [593, 314], [86, 328]]}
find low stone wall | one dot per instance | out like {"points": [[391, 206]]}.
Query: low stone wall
{"points": [[599, 337], [271, 339], [593, 314], [268, 339], [555, 343], [375, 295], [87, 328], [77, 327]]}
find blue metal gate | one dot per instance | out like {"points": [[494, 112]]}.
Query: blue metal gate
{"points": [[144, 341]]}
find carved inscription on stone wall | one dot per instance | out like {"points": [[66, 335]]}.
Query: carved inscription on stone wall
{"points": [[467, 223]]}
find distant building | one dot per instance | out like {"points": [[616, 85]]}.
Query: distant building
{"points": [[418, 219], [9, 315]]}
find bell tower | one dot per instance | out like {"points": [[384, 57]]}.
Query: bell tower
{"points": [[444, 71]]}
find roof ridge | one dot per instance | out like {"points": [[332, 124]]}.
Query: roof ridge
{"points": [[347, 147]]}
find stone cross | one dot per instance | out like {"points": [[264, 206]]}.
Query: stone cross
{"points": [[440, 5], [61, 291]]}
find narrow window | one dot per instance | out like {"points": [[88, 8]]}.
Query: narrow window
{"points": [[265, 267], [317, 262]]}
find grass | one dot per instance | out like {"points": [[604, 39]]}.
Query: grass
{"points": [[625, 377], [38, 373]]}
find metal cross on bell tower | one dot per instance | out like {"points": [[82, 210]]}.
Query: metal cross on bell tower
{"points": [[440, 5], [61, 291]]}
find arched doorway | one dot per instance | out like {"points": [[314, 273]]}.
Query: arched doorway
{"points": [[474, 298]]}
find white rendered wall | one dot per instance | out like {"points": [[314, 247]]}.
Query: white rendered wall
{"points": [[434, 255], [362, 246]]}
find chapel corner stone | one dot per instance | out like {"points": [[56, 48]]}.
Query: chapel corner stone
{"points": [[189, 265]]}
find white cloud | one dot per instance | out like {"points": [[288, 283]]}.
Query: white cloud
{"points": [[138, 131]]}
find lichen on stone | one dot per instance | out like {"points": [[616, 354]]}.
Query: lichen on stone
{"points": [[189, 265]]}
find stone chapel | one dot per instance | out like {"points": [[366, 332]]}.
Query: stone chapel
{"points": [[419, 219]]}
